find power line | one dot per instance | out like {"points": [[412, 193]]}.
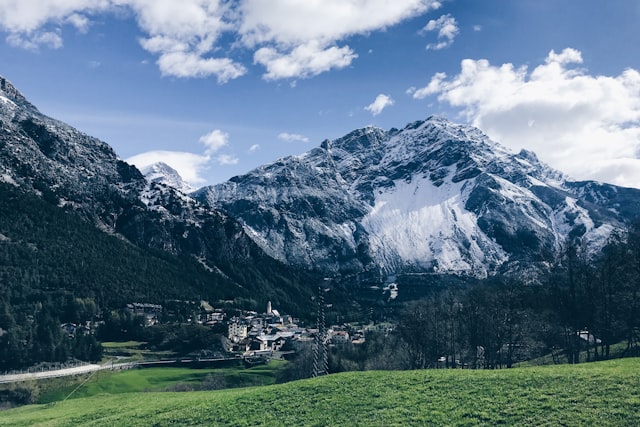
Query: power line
{"points": [[320, 351]]}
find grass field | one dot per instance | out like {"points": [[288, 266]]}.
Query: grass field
{"points": [[603, 394], [159, 379], [132, 351], [617, 351]]}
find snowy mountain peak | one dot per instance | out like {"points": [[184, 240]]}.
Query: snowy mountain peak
{"points": [[162, 173], [433, 197]]}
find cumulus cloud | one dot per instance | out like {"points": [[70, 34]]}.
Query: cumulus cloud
{"points": [[214, 140], [381, 102], [304, 61], [254, 148], [184, 35], [188, 64], [587, 126], [300, 39], [36, 23], [290, 39], [447, 28], [292, 137], [290, 23], [27, 16], [34, 41], [190, 166], [226, 159], [81, 22]]}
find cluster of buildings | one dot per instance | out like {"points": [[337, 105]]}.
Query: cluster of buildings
{"points": [[270, 333]]}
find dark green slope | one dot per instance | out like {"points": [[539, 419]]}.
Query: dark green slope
{"points": [[44, 249], [57, 267]]}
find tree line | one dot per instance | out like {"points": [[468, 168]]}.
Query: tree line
{"points": [[585, 309]]}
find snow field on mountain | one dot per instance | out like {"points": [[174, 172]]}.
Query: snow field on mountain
{"points": [[423, 225]]}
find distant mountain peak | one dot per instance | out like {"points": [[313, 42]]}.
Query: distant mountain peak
{"points": [[162, 173]]}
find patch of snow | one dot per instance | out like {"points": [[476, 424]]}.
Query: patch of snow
{"points": [[8, 179], [425, 226], [6, 101], [165, 174]]}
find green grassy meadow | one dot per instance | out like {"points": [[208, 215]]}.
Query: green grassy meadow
{"points": [[158, 379], [603, 394], [132, 351]]}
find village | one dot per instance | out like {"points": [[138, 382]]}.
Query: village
{"points": [[257, 336]]}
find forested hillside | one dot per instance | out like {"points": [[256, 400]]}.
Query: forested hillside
{"points": [[57, 268]]}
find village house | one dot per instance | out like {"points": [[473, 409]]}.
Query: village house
{"points": [[274, 342], [238, 330], [339, 336], [151, 312], [71, 329]]}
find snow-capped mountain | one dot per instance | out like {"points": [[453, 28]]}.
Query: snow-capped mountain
{"points": [[162, 173], [433, 197], [83, 175]]}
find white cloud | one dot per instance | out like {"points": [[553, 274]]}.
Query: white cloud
{"points": [[184, 34], [189, 165], [187, 64], [381, 102], [292, 137], [298, 39], [291, 39], [304, 61], [27, 16], [214, 141], [226, 159], [292, 23], [37, 23], [254, 148], [50, 39], [81, 22], [447, 28], [587, 126]]}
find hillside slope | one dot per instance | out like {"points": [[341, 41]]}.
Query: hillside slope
{"points": [[83, 176], [603, 393], [45, 250]]}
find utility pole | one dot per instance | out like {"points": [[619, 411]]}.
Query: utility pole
{"points": [[320, 352]]}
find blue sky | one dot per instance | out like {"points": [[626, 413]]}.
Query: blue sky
{"points": [[216, 88]]}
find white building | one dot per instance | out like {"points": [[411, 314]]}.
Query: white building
{"points": [[238, 331]]}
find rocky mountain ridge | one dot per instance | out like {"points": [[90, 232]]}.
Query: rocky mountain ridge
{"points": [[83, 176], [434, 197]]}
